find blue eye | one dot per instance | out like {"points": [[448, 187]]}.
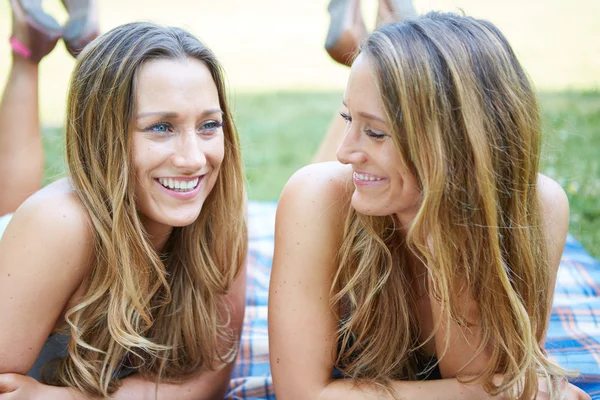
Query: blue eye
{"points": [[161, 127], [211, 126]]}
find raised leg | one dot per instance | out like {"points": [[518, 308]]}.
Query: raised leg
{"points": [[34, 35], [21, 153]]}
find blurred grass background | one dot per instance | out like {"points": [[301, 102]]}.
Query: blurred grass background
{"points": [[285, 89]]}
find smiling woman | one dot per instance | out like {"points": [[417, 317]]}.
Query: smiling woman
{"points": [[127, 278], [178, 142], [422, 265], [387, 186]]}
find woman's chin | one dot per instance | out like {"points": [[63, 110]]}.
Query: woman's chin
{"points": [[181, 221], [367, 208], [176, 219]]}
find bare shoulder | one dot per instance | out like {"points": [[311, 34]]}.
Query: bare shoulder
{"points": [[317, 189], [56, 208], [308, 231], [554, 207], [309, 228], [552, 196], [52, 222], [45, 255]]}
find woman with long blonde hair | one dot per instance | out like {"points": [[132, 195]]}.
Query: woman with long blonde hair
{"points": [[422, 265], [126, 279]]}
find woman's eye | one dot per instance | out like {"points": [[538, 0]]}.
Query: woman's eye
{"points": [[211, 126], [375, 135], [161, 127], [346, 117]]}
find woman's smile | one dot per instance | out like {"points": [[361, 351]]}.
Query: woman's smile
{"points": [[364, 179], [179, 141], [181, 188]]}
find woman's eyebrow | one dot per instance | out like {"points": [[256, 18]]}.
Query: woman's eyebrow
{"points": [[173, 114], [367, 115], [371, 116]]}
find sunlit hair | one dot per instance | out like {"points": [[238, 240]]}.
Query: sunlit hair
{"points": [[464, 117], [162, 314]]}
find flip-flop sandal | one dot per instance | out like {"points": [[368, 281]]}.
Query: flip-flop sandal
{"points": [[403, 8], [398, 10], [338, 10], [82, 26], [340, 42], [43, 31]]}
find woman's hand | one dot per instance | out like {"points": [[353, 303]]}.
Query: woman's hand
{"points": [[21, 387], [572, 392], [567, 390]]}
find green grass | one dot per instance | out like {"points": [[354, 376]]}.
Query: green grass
{"points": [[280, 132], [572, 132]]}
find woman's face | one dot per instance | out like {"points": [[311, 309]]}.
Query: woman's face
{"points": [[383, 184], [178, 142]]}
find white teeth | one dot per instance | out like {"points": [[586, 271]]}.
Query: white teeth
{"points": [[180, 186], [362, 177]]}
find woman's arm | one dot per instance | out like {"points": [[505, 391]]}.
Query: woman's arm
{"points": [[206, 385], [44, 255], [554, 207], [460, 357], [302, 328]]}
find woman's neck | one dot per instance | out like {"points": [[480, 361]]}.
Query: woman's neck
{"points": [[157, 233]]}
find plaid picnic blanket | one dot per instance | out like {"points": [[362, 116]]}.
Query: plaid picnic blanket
{"points": [[252, 374], [574, 333], [573, 336]]}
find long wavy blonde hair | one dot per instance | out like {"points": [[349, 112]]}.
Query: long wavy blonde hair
{"points": [[464, 117], [158, 314]]}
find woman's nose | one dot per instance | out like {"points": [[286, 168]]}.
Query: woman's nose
{"points": [[189, 154], [350, 150]]}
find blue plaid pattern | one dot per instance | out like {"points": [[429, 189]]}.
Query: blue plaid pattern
{"points": [[252, 374], [573, 338]]}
